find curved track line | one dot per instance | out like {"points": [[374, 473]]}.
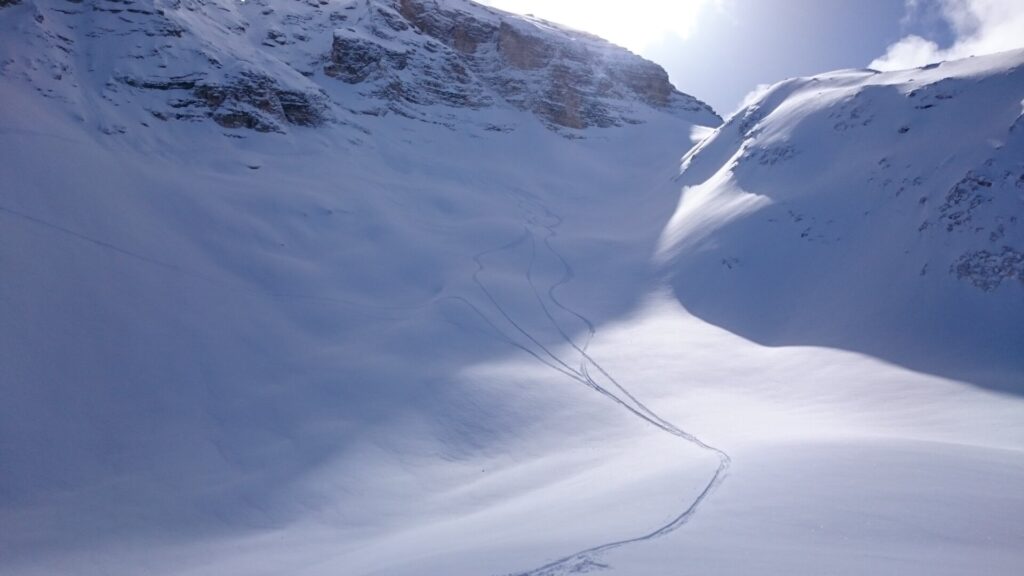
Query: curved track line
{"points": [[584, 560], [578, 561]]}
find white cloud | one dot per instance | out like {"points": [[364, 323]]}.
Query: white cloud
{"points": [[754, 95], [980, 26]]}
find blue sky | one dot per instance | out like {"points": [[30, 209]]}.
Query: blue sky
{"points": [[720, 50], [752, 42]]}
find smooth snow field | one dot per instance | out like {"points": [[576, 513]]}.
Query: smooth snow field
{"points": [[387, 347]]}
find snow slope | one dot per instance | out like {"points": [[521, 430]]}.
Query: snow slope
{"points": [[867, 211], [236, 305], [192, 331], [271, 333]]}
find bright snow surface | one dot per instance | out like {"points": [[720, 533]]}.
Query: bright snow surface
{"points": [[365, 351]]}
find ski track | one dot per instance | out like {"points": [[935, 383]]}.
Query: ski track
{"points": [[587, 559], [583, 560]]}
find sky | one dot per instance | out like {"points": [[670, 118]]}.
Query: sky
{"points": [[721, 50]]}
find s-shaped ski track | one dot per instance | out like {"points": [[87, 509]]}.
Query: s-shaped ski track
{"points": [[586, 559]]}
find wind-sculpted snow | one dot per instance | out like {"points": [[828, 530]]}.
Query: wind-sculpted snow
{"points": [[876, 212]]}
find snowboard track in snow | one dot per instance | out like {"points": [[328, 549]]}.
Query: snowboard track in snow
{"points": [[587, 559]]}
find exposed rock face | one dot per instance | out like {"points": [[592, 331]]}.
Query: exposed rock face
{"points": [[186, 60], [268, 65], [569, 79], [257, 102], [401, 73], [248, 100], [987, 270]]}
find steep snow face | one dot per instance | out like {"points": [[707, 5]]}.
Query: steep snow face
{"points": [[874, 212], [267, 64]]}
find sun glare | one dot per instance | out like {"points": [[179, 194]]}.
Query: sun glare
{"points": [[634, 25]]}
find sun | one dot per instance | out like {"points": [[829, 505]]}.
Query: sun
{"points": [[634, 24]]}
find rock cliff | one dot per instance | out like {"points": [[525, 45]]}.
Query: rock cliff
{"points": [[268, 65]]}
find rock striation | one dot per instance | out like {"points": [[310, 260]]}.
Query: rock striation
{"points": [[462, 54]]}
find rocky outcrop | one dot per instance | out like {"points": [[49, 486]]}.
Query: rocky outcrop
{"points": [[434, 77], [987, 270], [259, 103], [963, 199], [269, 65], [249, 100], [457, 53]]}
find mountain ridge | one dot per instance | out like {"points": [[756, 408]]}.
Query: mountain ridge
{"points": [[264, 65], [898, 194]]}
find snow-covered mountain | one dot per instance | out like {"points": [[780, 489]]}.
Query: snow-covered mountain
{"points": [[267, 65], [375, 287], [253, 255], [867, 211]]}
